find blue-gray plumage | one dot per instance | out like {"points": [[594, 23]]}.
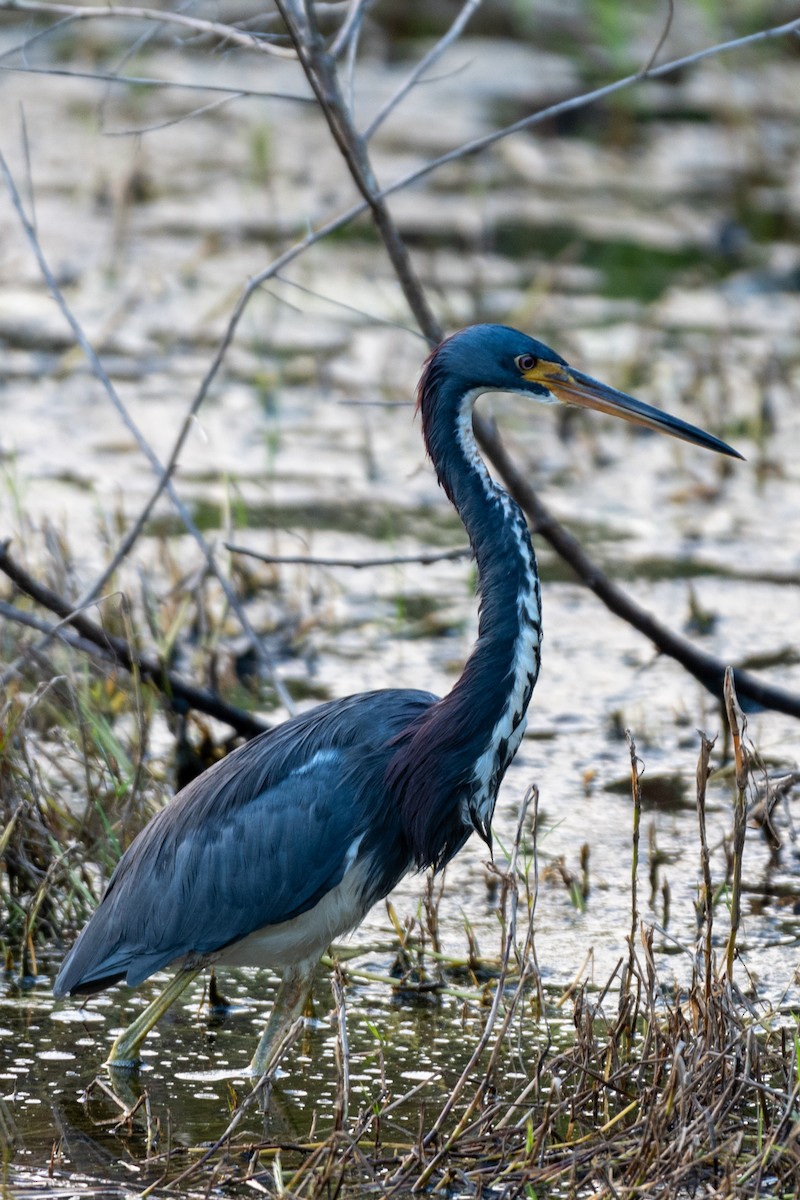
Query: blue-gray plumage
{"points": [[257, 840], [286, 843]]}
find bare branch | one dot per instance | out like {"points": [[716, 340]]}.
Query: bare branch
{"points": [[351, 55], [704, 667], [708, 670], [343, 219]]}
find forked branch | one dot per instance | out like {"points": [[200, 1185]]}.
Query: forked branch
{"points": [[707, 669], [320, 68]]}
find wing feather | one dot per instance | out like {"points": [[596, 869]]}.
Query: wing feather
{"points": [[258, 839]]}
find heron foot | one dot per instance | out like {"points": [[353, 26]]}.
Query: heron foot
{"points": [[293, 992], [125, 1053]]}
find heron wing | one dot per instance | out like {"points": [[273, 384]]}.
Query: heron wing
{"points": [[255, 841]]}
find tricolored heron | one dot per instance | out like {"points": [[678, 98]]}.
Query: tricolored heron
{"points": [[285, 844]]}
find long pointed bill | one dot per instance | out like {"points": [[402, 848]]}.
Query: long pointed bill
{"points": [[573, 387]]}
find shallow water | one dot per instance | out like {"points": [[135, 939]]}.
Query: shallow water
{"points": [[661, 257]]}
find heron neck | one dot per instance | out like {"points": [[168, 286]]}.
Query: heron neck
{"points": [[501, 671], [448, 768]]}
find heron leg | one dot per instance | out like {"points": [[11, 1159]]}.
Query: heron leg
{"points": [[293, 992], [125, 1051]]}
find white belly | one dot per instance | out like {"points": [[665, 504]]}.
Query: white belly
{"points": [[304, 937]]}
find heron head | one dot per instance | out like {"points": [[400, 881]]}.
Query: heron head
{"points": [[500, 359]]}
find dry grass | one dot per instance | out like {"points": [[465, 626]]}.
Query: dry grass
{"points": [[659, 1092]]}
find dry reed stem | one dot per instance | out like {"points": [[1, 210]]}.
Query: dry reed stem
{"points": [[738, 724]]}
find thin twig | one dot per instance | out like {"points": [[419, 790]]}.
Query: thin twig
{"points": [[663, 37], [23, 47], [706, 900], [223, 31], [138, 130], [349, 29], [357, 564], [636, 791], [147, 81], [342, 1050], [427, 61], [343, 306]]}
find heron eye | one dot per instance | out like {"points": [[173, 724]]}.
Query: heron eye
{"points": [[526, 362]]}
